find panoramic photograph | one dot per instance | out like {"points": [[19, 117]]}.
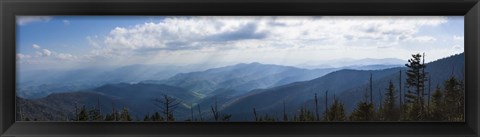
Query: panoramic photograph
{"points": [[240, 68]]}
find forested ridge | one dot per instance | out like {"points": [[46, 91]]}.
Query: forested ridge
{"points": [[412, 99]]}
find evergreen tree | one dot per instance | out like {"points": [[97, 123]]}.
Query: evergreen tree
{"points": [[96, 112], [83, 115], [157, 117], [268, 118], [125, 115], [226, 117], [95, 115], [390, 111], [461, 101], [305, 115], [364, 111], [437, 106], [154, 117], [454, 99], [336, 111], [147, 118], [114, 116], [415, 83]]}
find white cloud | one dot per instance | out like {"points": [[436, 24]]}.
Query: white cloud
{"points": [[23, 20], [23, 56], [44, 53], [50, 53], [66, 56], [66, 22], [424, 39], [35, 46], [190, 33]]}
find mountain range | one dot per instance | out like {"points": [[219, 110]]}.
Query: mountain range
{"points": [[237, 89]]}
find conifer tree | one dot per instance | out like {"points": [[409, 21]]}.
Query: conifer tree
{"points": [[390, 110], [364, 111], [147, 118], [95, 114], [437, 106], [305, 115], [125, 115], [453, 99], [268, 118], [82, 114], [226, 117], [415, 83], [336, 111], [157, 117]]}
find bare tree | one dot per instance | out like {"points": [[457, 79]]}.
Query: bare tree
{"points": [[371, 88], [326, 104], [200, 112], [316, 107], [285, 117], [215, 111], [167, 105], [255, 114]]}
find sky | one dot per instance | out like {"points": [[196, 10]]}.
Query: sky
{"points": [[48, 42]]}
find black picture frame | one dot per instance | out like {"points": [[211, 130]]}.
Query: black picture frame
{"points": [[470, 9]]}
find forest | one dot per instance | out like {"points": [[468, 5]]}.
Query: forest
{"points": [[409, 100]]}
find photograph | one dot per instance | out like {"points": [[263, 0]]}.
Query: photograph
{"points": [[239, 68]]}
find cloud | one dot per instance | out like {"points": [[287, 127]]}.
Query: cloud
{"points": [[246, 31], [44, 53], [49, 54], [424, 39], [194, 33], [289, 39], [35, 46], [184, 30], [24, 20], [23, 56], [65, 56], [93, 41], [66, 22]]}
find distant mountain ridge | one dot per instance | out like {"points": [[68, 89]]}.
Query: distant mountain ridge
{"points": [[347, 85], [40, 83], [240, 88], [350, 63], [242, 77]]}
